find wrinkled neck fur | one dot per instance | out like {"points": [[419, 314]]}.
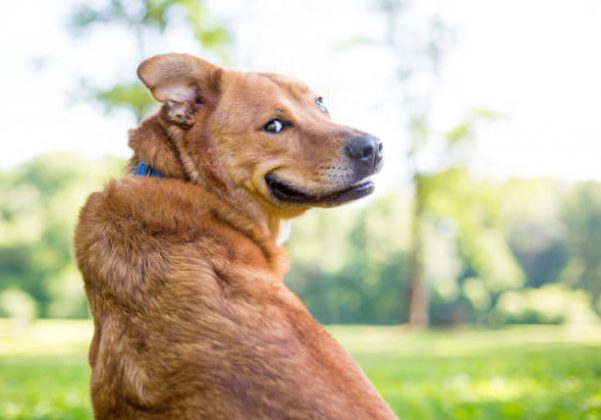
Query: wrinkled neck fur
{"points": [[152, 144], [162, 146]]}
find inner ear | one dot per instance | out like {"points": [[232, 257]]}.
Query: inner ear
{"points": [[177, 93], [181, 112]]}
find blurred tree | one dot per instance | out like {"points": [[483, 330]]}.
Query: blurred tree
{"points": [[582, 218], [418, 53], [417, 57], [440, 193], [473, 208], [17, 306], [550, 304], [143, 18], [347, 266], [38, 210], [535, 228]]}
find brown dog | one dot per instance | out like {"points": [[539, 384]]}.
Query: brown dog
{"points": [[183, 273]]}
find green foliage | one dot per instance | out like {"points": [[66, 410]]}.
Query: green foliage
{"points": [[347, 266], [474, 209], [140, 15], [143, 19], [466, 129], [517, 373], [582, 220], [446, 193], [18, 306], [550, 304], [207, 33], [469, 214], [419, 53], [38, 211], [535, 229], [133, 96], [351, 264]]}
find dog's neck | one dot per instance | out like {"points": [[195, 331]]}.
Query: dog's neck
{"points": [[160, 146], [284, 232]]}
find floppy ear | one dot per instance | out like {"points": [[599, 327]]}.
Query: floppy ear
{"points": [[182, 82]]}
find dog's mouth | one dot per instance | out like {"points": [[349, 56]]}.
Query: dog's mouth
{"points": [[283, 192]]}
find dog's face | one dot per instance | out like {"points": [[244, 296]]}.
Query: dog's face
{"points": [[273, 136]]}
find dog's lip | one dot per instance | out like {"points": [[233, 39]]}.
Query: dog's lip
{"points": [[282, 191]]}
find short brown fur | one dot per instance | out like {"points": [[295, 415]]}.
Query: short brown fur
{"points": [[183, 274]]}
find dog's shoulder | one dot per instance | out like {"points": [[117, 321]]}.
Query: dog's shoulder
{"points": [[147, 206], [134, 218], [136, 221]]}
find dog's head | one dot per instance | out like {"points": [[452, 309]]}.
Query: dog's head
{"points": [[263, 133]]}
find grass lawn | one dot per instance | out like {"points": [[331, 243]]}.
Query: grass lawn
{"points": [[523, 372]]}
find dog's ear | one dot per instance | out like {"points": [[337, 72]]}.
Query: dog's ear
{"points": [[182, 82]]}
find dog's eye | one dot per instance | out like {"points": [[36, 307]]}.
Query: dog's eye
{"points": [[274, 126], [320, 105]]}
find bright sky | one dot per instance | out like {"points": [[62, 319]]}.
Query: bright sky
{"points": [[537, 62]]}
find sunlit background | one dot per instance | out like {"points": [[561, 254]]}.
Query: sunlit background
{"points": [[484, 233]]}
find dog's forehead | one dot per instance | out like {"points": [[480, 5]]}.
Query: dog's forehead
{"points": [[295, 87], [269, 85]]}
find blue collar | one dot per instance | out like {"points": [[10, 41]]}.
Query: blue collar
{"points": [[145, 169]]}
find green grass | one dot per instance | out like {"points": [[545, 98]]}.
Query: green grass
{"points": [[44, 371], [523, 372]]}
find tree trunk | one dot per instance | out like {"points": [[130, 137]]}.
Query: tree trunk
{"points": [[419, 296]]}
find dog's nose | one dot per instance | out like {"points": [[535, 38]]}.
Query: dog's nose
{"points": [[365, 148]]}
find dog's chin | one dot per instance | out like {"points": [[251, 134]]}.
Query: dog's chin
{"points": [[284, 192]]}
